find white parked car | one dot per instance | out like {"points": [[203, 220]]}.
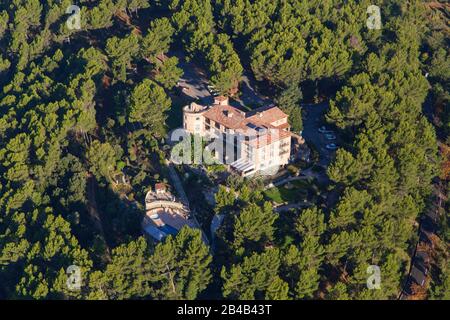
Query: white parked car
{"points": [[324, 129], [331, 146], [330, 136]]}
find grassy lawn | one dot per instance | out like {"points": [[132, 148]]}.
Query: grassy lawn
{"points": [[215, 168], [297, 193]]}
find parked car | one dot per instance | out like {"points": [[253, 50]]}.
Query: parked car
{"points": [[331, 146], [324, 129], [330, 136]]}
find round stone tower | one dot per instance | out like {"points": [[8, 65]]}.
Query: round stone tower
{"points": [[193, 120]]}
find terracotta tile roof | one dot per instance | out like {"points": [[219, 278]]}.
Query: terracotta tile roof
{"points": [[283, 126], [228, 116], [249, 123], [268, 138], [268, 114], [160, 187]]}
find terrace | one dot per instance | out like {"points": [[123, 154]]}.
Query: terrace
{"points": [[164, 214]]}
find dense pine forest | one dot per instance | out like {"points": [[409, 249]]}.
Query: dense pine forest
{"points": [[84, 118]]}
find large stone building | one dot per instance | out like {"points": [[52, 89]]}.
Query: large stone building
{"points": [[251, 142]]}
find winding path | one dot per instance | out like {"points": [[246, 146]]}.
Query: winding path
{"points": [[93, 210], [177, 184], [182, 195], [420, 260]]}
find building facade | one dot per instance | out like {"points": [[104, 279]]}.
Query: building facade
{"points": [[250, 142]]}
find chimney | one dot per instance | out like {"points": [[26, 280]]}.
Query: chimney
{"points": [[160, 188], [228, 114]]}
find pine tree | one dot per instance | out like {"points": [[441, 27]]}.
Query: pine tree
{"points": [[158, 39], [225, 199], [254, 225], [102, 159], [277, 290], [252, 278], [289, 101], [168, 73], [149, 104], [122, 52], [179, 267]]}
